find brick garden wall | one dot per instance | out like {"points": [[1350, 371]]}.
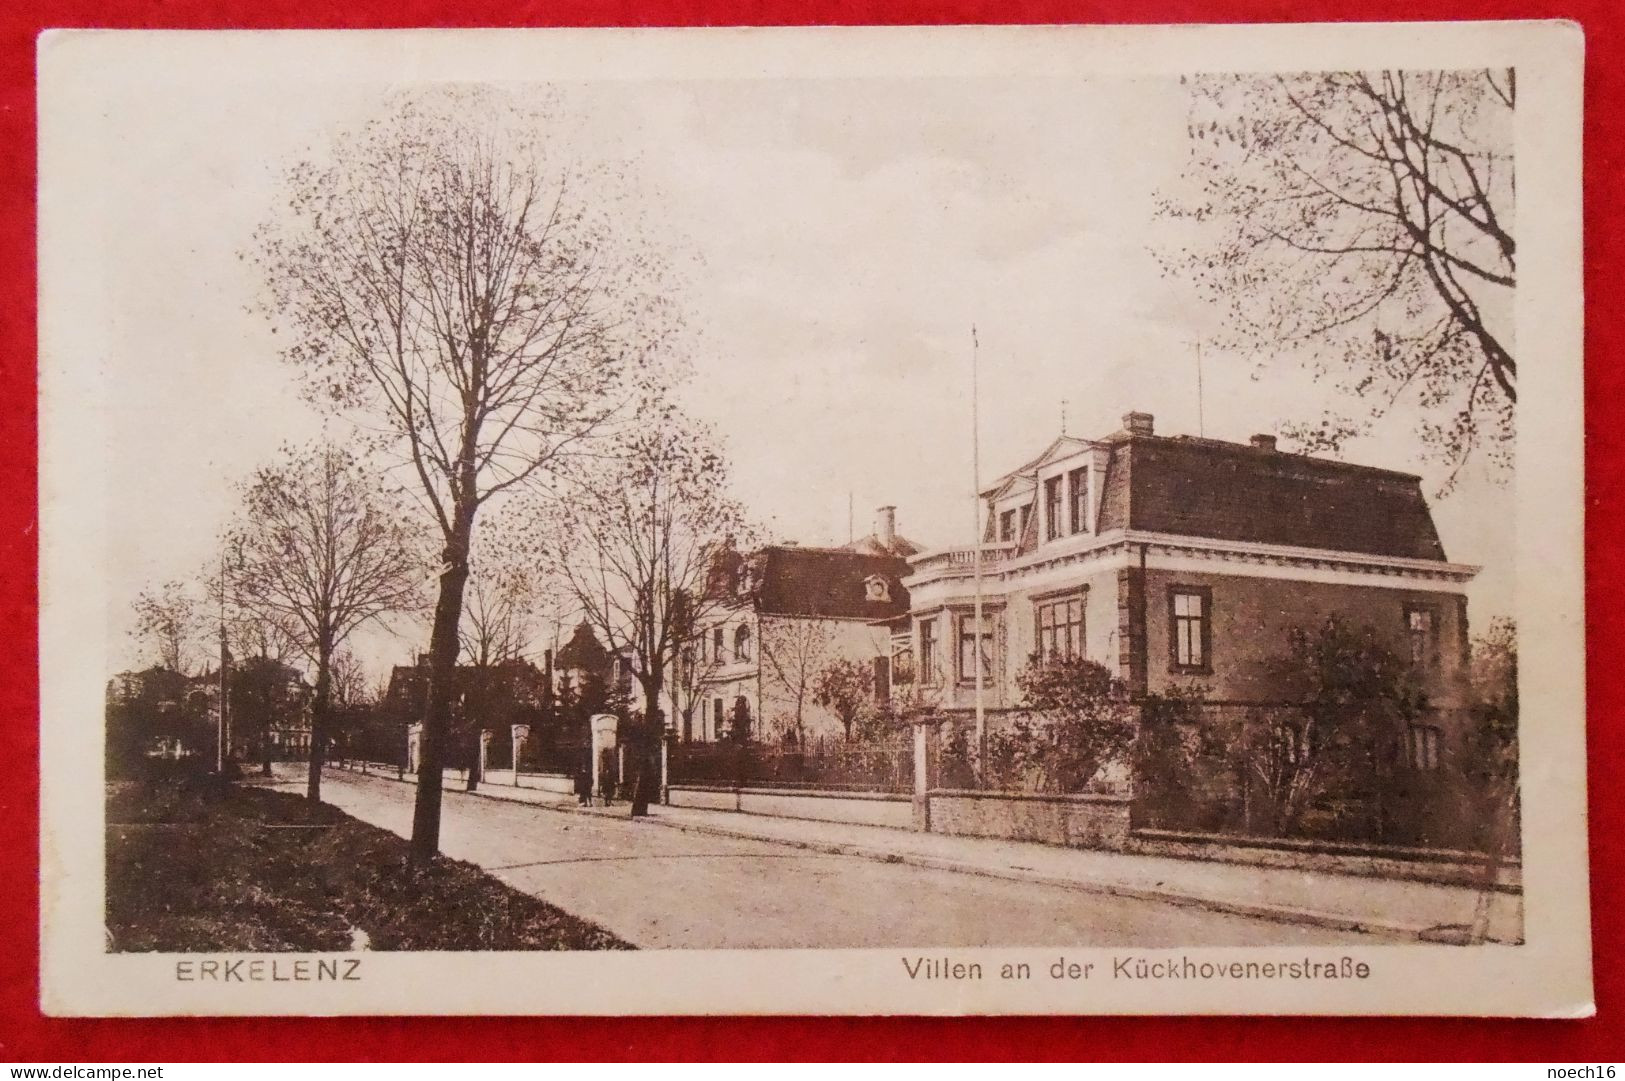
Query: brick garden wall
{"points": [[1073, 821]]}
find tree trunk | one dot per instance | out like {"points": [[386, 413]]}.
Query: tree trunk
{"points": [[443, 647], [318, 721], [643, 770], [474, 715]]}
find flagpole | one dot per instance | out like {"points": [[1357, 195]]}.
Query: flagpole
{"points": [[1201, 428], [976, 557]]}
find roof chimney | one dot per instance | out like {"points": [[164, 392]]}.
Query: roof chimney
{"points": [[886, 525], [1137, 423], [1263, 442]]}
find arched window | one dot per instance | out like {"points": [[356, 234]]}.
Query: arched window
{"points": [[742, 644]]}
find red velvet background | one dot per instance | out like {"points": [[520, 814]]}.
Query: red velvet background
{"points": [[26, 1036]]}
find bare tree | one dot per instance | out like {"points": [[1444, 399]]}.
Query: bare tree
{"points": [[496, 629], [350, 687], [794, 654], [689, 676], [640, 543], [169, 622], [1363, 221], [441, 272], [257, 635], [323, 553], [496, 626]]}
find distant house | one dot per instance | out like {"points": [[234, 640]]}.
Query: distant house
{"points": [[270, 709], [583, 662], [494, 697], [1180, 561], [149, 715], [785, 613]]}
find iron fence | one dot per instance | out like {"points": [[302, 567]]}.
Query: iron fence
{"points": [[565, 758], [832, 765]]}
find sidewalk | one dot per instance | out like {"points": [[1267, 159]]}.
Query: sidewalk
{"points": [[1387, 907]]}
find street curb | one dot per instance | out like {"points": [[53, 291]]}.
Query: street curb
{"points": [[1278, 913]]}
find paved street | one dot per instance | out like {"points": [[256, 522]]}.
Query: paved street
{"points": [[664, 888]]}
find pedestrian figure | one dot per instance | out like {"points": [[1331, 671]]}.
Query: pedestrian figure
{"points": [[583, 779], [606, 776]]}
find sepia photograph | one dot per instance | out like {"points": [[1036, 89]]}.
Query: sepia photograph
{"points": [[1034, 518]]}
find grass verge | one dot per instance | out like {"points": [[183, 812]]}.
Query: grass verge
{"points": [[199, 864]]}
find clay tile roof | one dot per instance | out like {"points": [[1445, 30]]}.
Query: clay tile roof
{"points": [[828, 582]]}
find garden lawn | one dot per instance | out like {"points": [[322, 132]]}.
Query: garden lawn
{"points": [[199, 864]]}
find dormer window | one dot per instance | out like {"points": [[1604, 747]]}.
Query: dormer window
{"points": [[1078, 483], [1052, 508], [876, 588]]}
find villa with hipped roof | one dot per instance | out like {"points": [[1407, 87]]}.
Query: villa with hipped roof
{"points": [[1183, 561]]}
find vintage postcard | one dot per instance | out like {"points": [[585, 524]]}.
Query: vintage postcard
{"points": [[979, 520]]}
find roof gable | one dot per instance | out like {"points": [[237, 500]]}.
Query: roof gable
{"points": [[1061, 446], [583, 650]]}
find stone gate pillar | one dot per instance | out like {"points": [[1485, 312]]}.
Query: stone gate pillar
{"points": [[925, 770], [485, 750], [519, 733], [414, 747], [603, 739], [668, 734]]}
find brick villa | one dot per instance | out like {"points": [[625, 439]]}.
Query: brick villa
{"points": [[1180, 560]]}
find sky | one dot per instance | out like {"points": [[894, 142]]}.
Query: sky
{"points": [[837, 239]]}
